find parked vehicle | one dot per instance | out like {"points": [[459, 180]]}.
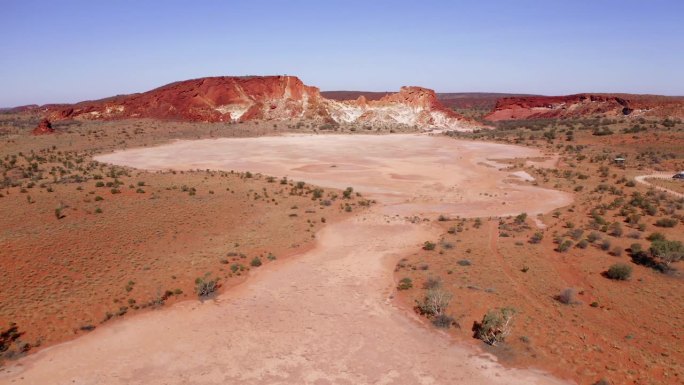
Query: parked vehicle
{"points": [[678, 175]]}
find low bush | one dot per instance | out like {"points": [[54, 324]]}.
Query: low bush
{"points": [[405, 284], [432, 283], [619, 271], [537, 237], [666, 222], [567, 296]]}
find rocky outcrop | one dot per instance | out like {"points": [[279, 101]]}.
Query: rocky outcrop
{"points": [[263, 98], [587, 105], [411, 106], [43, 128]]}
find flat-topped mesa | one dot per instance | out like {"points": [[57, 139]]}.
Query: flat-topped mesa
{"points": [[213, 99], [263, 98], [586, 106]]}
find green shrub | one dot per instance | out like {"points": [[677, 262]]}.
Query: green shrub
{"points": [[666, 222], [536, 237], [619, 271], [564, 246], [429, 245], [256, 262], [656, 237], [667, 251], [405, 284], [520, 219]]}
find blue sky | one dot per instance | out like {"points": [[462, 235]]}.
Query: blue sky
{"points": [[67, 51]]}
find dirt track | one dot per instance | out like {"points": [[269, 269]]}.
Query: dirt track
{"points": [[325, 316], [642, 179]]}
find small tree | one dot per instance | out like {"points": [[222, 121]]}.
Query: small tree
{"points": [[435, 303], [205, 287], [495, 326]]}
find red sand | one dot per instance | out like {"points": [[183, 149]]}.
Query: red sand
{"points": [[325, 316]]}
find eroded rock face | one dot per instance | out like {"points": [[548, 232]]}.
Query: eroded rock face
{"points": [[43, 128], [587, 105], [261, 98], [411, 106]]}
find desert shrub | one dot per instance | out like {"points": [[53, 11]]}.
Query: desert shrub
{"points": [[656, 237], [567, 296], [443, 218], [605, 245], [256, 262], [666, 251], [583, 244], [617, 251], [536, 237], [435, 302], [429, 245], [576, 234], [10, 344], [635, 248], [564, 246], [432, 283], [593, 236], [619, 271], [347, 192], [464, 262], [495, 326], [405, 284], [666, 222], [205, 287], [520, 219], [615, 229], [317, 193], [447, 245], [443, 321]]}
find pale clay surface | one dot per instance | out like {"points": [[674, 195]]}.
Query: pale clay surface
{"points": [[323, 317]]}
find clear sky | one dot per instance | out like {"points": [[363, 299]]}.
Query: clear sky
{"points": [[67, 51]]}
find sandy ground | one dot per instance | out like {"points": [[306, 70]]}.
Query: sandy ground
{"points": [[325, 316]]}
